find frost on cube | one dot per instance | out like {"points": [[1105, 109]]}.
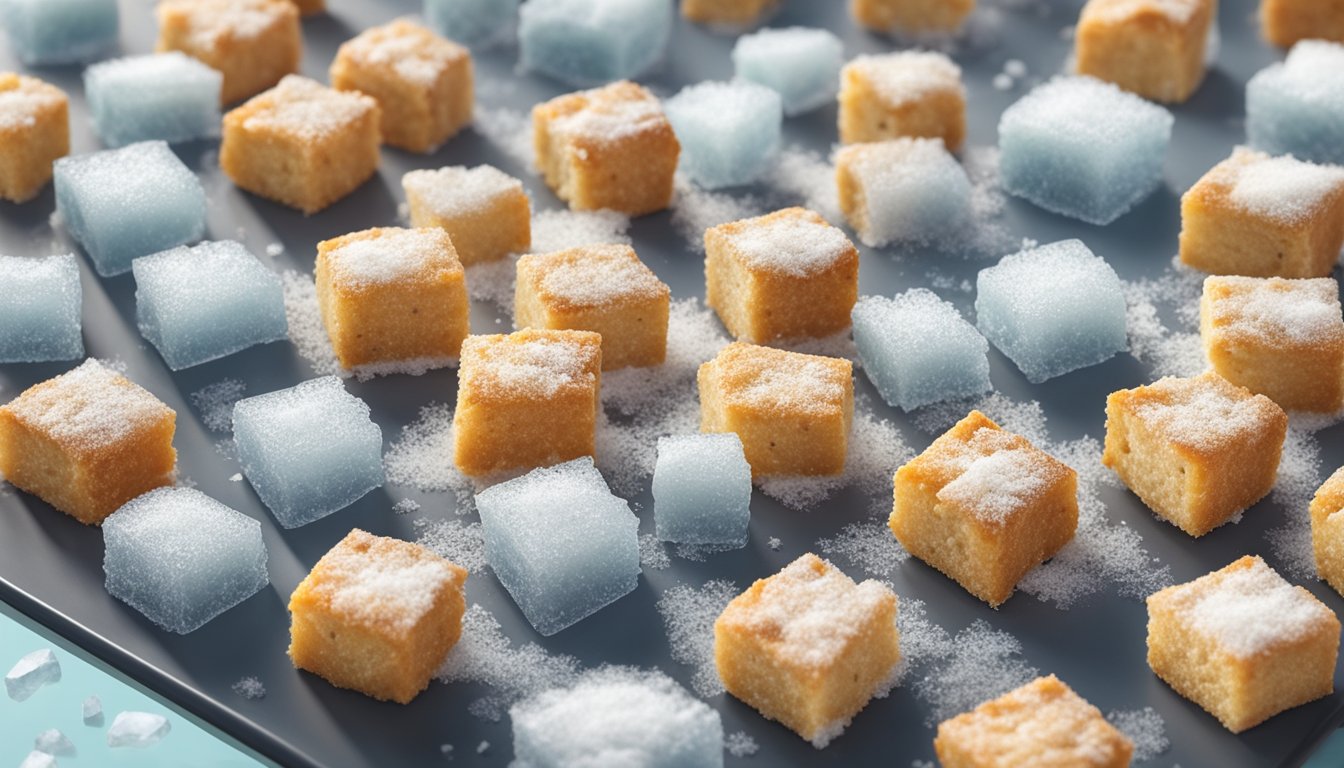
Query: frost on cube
{"points": [[801, 64], [792, 411], [1280, 338], [911, 17], [302, 144], [182, 558], [87, 441], [167, 96], [485, 211], [1043, 722], [560, 542], [729, 132], [392, 299], [1153, 48], [903, 191], [917, 349], [615, 716], [1327, 530], [120, 204], [984, 506], [34, 132], [1243, 643], [422, 82], [1083, 148], [308, 450], [40, 309], [786, 275], [609, 147], [527, 399], [46, 32], [1052, 309], [30, 673], [253, 43], [1285, 22], [477, 23], [589, 42], [1297, 106], [808, 647], [912, 93], [1197, 451], [377, 615], [605, 289], [197, 304], [702, 489]]}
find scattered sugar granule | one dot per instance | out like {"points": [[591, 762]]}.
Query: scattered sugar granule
{"points": [[274, 250], [305, 325], [978, 664], [869, 546], [405, 506], [1002, 82], [485, 655], [461, 542], [740, 744], [688, 616], [482, 748], [250, 688], [493, 281], [508, 129], [215, 403], [1299, 477], [699, 553], [236, 477], [803, 177], [1015, 68], [557, 230], [774, 543], [1146, 728], [420, 456], [695, 210], [652, 553]]}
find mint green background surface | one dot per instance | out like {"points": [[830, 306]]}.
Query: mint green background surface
{"points": [[59, 705]]}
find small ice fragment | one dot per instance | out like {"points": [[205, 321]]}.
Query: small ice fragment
{"points": [[33, 671], [92, 711], [137, 729]]}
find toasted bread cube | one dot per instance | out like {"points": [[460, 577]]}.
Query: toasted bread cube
{"points": [[808, 647], [601, 288], [610, 147], [1285, 22], [302, 144], [728, 13], [422, 82], [88, 441], [913, 93], [1243, 643], [393, 298], [34, 133], [1155, 48], [527, 399], [911, 17], [1327, 530], [483, 209], [1197, 451], [792, 411], [785, 275], [253, 43], [1043, 724], [984, 506], [1280, 338], [1264, 216], [377, 615]]}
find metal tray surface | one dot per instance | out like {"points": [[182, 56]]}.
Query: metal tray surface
{"points": [[51, 566]]}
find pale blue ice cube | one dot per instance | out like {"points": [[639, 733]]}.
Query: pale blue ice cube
{"points": [[60, 31], [168, 96], [729, 132], [560, 542], [40, 309], [801, 64], [182, 558], [308, 450], [472, 22], [137, 729], [53, 742], [913, 191], [1052, 309], [617, 717], [590, 42], [702, 489], [1297, 107], [31, 672], [1083, 148], [200, 303], [124, 203], [917, 349]]}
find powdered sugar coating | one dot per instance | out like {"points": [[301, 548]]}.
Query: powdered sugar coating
{"points": [[22, 98], [996, 486], [530, 364], [609, 113], [1205, 413], [1282, 189], [794, 242], [774, 380], [1114, 11], [595, 276], [394, 256], [414, 53], [213, 21], [1275, 310], [907, 76], [458, 190], [90, 408], [1247, 608], [306, 109]]}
